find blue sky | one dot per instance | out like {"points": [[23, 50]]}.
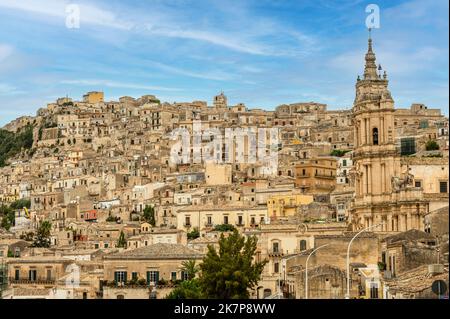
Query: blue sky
{"points": [[259, 52]]}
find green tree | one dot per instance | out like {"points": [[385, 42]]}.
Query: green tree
{"points": [[189, 289], [432, 145], [43, 235], [193, 234], [121, 243], [224, 227], [12, 144], [190, 268], [149, 215], [231, 271], [339, 153], [8, 217], [20, 204]]}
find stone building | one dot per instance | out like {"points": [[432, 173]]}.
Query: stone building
{"points": [[317, 175], [384, 194], [136, 273]]}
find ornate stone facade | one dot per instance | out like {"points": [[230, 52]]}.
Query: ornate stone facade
{"points": [[383, 189]]}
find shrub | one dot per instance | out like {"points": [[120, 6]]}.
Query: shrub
{"points": [[142, 282], [162, 282], [339, 153], [432, 145], [193, 234], [224, 227]]}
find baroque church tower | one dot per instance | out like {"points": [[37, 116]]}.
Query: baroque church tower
{"points": [[383, 190]]}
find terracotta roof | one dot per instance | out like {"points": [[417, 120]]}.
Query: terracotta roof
{"points": [[31, 292], [158, 251], [415, 280], [410, 235]]}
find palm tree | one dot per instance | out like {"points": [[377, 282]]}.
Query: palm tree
{"points": [[190, 268]]}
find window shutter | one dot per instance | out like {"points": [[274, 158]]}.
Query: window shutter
{"points": [[157, 277], [125, 275], [116, 278], [182, 275], [148, 278]]}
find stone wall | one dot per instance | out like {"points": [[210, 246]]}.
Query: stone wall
{"points": [[416, 254]]}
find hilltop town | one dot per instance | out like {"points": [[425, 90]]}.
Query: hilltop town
{"points": [[101, 176]]}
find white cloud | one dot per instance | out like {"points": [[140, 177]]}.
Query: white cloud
{"points": [[228, 41], [89, 14], [216, 76], [7, 89], [113, 84], [395, 60], [172, 24]]}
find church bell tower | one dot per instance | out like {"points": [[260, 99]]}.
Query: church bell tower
{"points": [[383, 194]]}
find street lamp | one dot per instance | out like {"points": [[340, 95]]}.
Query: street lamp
{"points": [[347, 295], [306, 269]]}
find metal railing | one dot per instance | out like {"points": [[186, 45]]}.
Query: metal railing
{"points": [[40, 281]]}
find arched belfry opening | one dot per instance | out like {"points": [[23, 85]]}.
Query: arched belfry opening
{"points": [[375, 136]]}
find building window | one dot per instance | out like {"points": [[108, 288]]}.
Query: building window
{"points": [[49, 274], [173, 276], [418, 183], [276, 267], [152, 277], [184, 275], [225, 220], [302, 245], [209, 220], [17, 274], [187, 221], [374, 291], [134, 276], [375, 136], [120, 276], [275, 247], [443, 187], [32, 275], [240, 220]]}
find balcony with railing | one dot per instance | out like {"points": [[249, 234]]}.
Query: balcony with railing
{"points": [[322, 175], [275, 252], [37, 281]]}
